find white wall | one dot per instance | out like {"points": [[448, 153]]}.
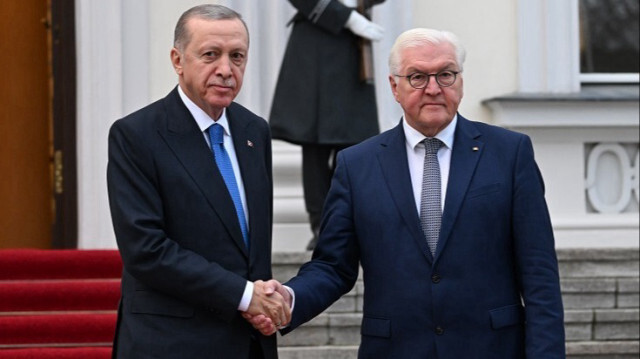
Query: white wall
{"points": [[99, 60], [487, 30]]}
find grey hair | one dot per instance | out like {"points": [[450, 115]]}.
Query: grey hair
{"points": [[181, 35], [421, 36]]}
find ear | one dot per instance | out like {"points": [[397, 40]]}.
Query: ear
{"points": [[394, 87], [176, 60]]}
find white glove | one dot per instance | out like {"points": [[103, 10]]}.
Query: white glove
{"points": [[350, 3], [362, 27]]}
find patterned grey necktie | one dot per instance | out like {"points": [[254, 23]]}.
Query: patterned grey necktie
{"points": [[430, 207]]}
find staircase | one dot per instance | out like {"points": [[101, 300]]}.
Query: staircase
{"points": [[600, 293], [62, 305], [58, 304]]}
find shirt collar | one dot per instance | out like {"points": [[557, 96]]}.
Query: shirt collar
{"points": [[414, 137], [203, 120]]}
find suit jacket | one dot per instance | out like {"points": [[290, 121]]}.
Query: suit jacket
{"points": [[185, 262], [492, 288], [319, 98]]}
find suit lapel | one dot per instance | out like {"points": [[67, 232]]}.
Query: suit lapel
{"points": [[243, 138], [393, 161], [467, 150], [186, 140]]}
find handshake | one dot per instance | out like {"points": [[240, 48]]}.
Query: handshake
{"points": [[270, 307]]}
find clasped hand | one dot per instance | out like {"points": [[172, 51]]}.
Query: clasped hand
{"points": [[270, 307]]}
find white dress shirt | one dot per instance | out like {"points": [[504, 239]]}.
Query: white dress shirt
{"points": [[415, 158]]}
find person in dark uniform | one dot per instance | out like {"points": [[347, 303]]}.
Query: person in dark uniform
{"points": [[320, 101]]}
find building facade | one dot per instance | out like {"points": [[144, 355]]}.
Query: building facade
{"points": [[523, 71]]}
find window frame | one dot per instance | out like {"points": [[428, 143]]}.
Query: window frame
{"points": [[549, 49]]}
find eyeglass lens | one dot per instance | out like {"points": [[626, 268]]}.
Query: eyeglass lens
{"points": [[420, 80]]}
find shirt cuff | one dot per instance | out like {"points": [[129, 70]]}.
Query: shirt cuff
{"points": [[293, 303], [246, 297], [293, 297]]}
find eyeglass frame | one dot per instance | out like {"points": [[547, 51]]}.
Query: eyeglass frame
{"points": [[408, 77]]}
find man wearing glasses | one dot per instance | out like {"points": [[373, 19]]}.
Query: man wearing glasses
{"points": [[448, 220]]}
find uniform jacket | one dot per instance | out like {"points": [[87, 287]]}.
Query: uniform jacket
{"points": [[492, 288], [185, 262], [319, 98]]}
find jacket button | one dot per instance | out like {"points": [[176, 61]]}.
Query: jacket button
{"points": [[436, 278], [439, 330]]}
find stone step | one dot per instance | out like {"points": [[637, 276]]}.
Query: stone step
{"points": [[598, 262], [319, 352], [600, 292], [602, 324], [603, 350], [326, 329]]}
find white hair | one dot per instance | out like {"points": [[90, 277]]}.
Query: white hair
{"points": [[421, 36]]}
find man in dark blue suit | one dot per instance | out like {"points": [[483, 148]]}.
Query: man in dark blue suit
{"points": [[465, 268], [190, 190]]}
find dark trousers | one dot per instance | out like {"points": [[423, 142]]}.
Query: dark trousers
{"points": [[318, 164], [256, 350]]}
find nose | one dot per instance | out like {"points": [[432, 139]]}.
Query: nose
{"points": [[224, 67], [432, 88]]}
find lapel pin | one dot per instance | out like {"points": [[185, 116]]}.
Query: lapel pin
{"points": [[475, 149], [249, 143]]}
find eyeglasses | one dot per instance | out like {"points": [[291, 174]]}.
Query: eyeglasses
{"points": [[419, 80]]}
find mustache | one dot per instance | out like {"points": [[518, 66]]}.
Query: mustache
{"points": [[230, 82]]}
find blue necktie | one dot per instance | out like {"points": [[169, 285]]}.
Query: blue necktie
{"points": [[226, 170]]}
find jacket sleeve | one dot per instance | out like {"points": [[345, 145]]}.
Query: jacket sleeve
{"points": [[333, 270], [536, 259]]}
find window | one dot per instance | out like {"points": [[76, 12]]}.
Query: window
{"points": [[609, 41]]}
